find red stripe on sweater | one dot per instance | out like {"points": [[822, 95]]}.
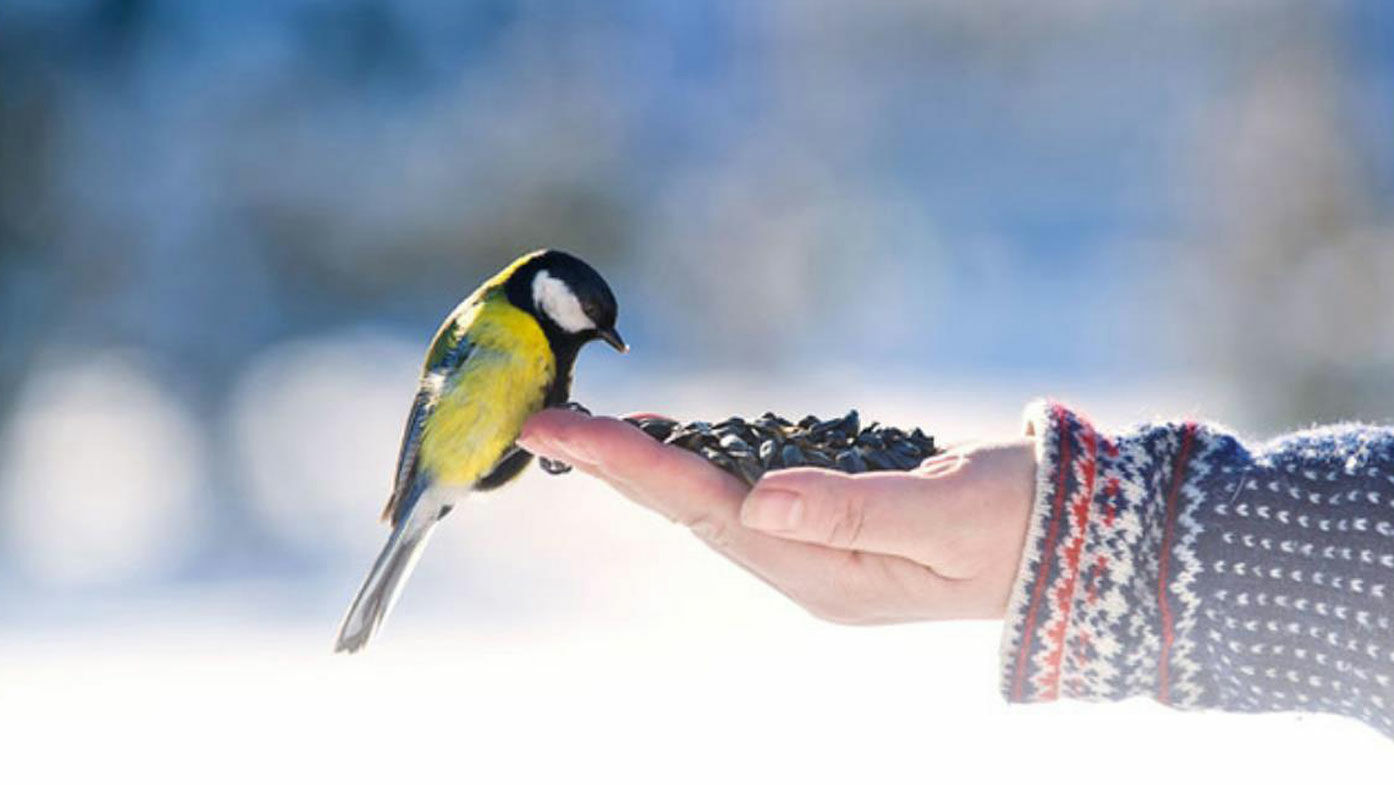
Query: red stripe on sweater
{"points": [[1111, 494], [1019, 680], [1064, 595], [1177, 477], [1099, 567]]}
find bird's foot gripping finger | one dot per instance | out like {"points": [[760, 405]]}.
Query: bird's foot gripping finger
{"points": [[553, 467]]}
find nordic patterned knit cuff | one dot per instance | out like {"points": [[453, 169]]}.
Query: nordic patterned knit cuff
{"points": [[1101, 608]]}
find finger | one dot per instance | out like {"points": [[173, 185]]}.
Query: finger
{"points": [[676, 483], [646, 416], [895, 513], [689, 490]]}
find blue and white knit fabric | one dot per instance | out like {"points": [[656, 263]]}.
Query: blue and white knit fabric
{"points": [[1174, 561]]}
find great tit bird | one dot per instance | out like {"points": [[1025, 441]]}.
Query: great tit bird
{"points": [[504, 353]]}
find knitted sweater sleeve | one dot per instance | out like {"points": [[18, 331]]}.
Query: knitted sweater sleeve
{"points": [[1175, 562]]}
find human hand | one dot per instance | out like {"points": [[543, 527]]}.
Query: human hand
{"points": [[939, 542]]}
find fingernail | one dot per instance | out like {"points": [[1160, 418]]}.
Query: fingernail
{"points": [[944, 463], [773, 511]]}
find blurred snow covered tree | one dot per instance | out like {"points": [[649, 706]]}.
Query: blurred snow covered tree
{"points": [[1293, 274]]}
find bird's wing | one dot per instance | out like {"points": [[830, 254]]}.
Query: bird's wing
{"points": [[448, 352]]}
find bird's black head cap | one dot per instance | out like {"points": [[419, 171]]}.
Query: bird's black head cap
{"points": [[568, 298]]}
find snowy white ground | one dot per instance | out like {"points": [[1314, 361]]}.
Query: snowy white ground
{"points": [[588, 639], [764, 696]]}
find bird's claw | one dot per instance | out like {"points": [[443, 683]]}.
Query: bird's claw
{"points": [[557, 467], [553, 467]]}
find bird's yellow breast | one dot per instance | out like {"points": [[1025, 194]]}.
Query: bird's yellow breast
{"points": [[484, 403]]}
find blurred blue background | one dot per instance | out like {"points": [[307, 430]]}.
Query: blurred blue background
{"points": [[227, 231]]}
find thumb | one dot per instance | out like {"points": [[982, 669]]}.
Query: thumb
{"points": [[894, 513]]}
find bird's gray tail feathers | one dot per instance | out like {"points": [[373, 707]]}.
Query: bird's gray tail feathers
{"points": [[384, 583]]}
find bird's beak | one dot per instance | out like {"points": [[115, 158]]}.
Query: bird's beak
{"points": [[612, 337]]}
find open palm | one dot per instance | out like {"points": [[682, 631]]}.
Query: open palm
{"points": [[939, 542]]}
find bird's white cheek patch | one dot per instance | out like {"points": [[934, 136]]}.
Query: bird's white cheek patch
{"points": [[554, 298]]}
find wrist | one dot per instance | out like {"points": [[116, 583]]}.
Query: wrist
{"points": [[1012, 521]]}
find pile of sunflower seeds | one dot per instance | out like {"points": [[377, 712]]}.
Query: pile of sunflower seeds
{"points": [[748, 449]]}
